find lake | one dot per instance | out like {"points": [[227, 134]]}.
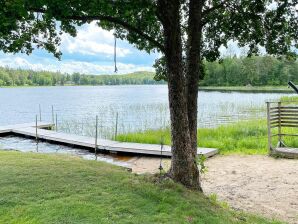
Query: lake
{"points": [[138, 107]]}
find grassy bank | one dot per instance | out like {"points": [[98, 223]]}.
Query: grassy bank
{"points": [[261, 89], [36, 188], [246, 137], [289, 99]]}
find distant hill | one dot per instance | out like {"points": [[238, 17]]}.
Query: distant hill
{"points": [[136, 78], [21, 77]]}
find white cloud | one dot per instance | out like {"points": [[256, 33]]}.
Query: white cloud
{"points": [[69, 66], [90, 52], [92, 40]]}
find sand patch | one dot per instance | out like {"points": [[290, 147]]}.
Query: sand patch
{"points": [[257, 184]]}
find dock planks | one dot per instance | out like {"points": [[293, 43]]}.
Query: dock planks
{"points": [[29, 130], [9, 128]]}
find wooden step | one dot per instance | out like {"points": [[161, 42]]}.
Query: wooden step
{"points": [[287, 152]]}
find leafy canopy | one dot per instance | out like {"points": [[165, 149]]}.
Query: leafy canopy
{"points": [[29, 24]]}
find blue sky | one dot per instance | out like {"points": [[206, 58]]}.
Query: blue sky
{"points": [[91, 52]]}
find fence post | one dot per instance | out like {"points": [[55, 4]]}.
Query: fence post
{"points": [[269, 126], [39, 112], [116, 128], [96, 127], [279, 124]]}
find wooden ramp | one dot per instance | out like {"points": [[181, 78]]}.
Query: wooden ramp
{"points": [[89, 142]]}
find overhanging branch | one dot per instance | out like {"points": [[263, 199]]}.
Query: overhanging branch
{"points": [[122, 23], [110, 19], [207, 12]]}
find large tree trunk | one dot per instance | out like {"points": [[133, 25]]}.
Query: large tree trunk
{"points": [[183, 167], [193, 67]]}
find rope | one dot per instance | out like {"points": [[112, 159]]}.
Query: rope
{"points": [[115, 54]]}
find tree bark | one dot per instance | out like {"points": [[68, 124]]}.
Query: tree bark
{"points": [[193, 67], [183, 166]]}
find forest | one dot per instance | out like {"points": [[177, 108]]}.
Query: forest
{"points": [[255, 71], [230, 71]]}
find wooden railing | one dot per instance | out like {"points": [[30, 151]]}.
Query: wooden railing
{"points": [[279, 115]]}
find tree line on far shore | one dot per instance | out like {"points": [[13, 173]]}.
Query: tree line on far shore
{"points": [[231, 71], [255, 71], [20, 77]]}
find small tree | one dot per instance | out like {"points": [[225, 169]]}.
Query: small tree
{"points": [[184, 31]]}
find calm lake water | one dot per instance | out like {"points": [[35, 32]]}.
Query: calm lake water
{"points": [[138, 107]]}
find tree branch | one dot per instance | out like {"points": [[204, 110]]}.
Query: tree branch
{"points": [[111, 19], [120, 22], [206, 12], [212, 9]]}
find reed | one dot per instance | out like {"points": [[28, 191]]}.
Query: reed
{"points": [[244, 137]]}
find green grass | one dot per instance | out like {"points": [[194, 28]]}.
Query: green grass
{"points": [[245, 137], [289, 99], [39, 188]]}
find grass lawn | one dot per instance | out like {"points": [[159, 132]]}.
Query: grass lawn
{"points": [[245, 137], [39, 188]]}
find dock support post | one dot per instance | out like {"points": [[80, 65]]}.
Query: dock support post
{"points": [[36, 137], [39, 112], [56, 123], [96, 128], [53, 120], [116, 126]]}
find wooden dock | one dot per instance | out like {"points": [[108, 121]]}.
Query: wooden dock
{"points": [[9, 128], [29, 130]]}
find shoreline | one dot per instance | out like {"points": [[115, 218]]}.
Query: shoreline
{"points": [[257, 89]]}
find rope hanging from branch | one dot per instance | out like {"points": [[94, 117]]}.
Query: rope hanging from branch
{"points": [[115, 54]]}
